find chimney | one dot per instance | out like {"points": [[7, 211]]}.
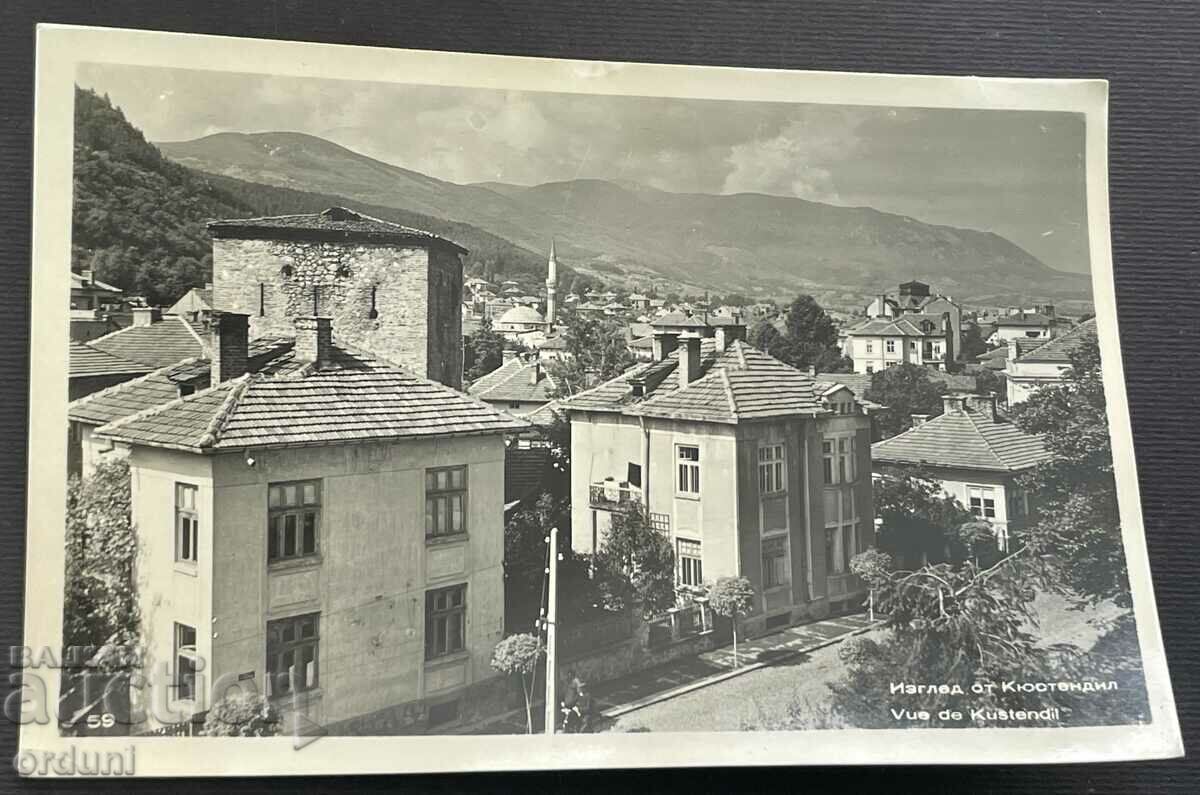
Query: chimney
{"points": [[146, 315], [919, 419], [1048, 310], [1012, 350], [535, 372], [983, 404], [883, 309], [664, 343], [230, 339], [727, 334], [689, 358], [314, 340], [954, 403], [85, 276]]}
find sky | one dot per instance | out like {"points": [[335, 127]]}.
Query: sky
{"points": [[1019, 174]]}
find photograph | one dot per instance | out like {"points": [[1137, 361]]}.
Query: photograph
{"points": [[485, 397]]}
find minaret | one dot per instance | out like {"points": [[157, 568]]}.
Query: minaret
{"points": [[551, 286]]}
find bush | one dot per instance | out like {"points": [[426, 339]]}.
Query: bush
{"points": [[242, 715]]}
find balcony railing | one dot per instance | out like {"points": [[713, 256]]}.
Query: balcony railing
{"points": [[610, 494]]}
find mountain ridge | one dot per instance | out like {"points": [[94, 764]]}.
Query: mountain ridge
{"points": [[754, 242]]}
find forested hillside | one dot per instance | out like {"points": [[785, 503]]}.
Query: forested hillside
{"points": [[139, 219]]}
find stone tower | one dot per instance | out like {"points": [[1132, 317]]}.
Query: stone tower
{"points": [[389, 289], [551, 286]]}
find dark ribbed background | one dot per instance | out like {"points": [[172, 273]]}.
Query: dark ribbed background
{"points": [[1149, 52]]}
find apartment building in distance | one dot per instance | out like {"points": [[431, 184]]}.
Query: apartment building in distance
{"points": [[751, 467], [914, 327], [1046, 364]]}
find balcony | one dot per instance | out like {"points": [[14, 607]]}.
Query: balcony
{"points": [[611, 495]]}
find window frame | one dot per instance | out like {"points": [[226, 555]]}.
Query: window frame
{"points": [[277, 646], [690, 554], [435, 495], [277, 531], [687, 471], [842, 534], [889, 346], [771, 576], [191, 537], [772, 469], [184, 685], [986, 494], [435, 614]]}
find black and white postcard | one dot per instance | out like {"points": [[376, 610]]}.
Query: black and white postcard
{"points": [[405, 411]]}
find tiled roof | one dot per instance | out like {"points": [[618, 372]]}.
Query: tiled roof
{"points": [[555, 343], [967, 440], [77, 283], [162, 385], [335, 223], [544, 415], [642, 342], [678, 319], [87, 360], [356, 398], [1027, 319], [1059, 349], [165, 342], [904, 326], [512, 381], [857, 382], [740, 383]]}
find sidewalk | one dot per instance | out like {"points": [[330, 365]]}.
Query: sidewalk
{"points": [[643, 688]]}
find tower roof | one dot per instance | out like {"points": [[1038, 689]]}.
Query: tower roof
{"points": [[335, 224]]}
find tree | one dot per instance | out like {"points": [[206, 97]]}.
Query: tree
{"points": [[518, 655], [1078, 527], [975, 541], [810, 338], [765, 337], [916, 520], [905, 389], [100, 604], [732, 597], [483, 351], [636, 563], [242, 714], [596, 352], [973, 344]]}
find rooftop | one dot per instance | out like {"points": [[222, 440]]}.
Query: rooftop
{"points": [[336, 224], [903, 326], [522, 314], [1059, 349], [78, 284], [86, 360], [738, 384], [1025, 319], [164, 342], [513, 381], [966, 439], [356, 398], [162, 385]]}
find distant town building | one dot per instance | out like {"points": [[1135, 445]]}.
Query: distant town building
{"points": [[879, 343], [522, 324], [1045, 364], [915, 298], [519, 386], [552, 288], [195, 305], [750, 466], [1042, 324]]}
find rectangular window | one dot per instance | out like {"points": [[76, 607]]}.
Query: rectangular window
{"points": [[691, 571], [187, 523], [293, 519], [774, 561], [293, 646], [185, 662], [891, 346], [983, 501], [870, 368], [870, 347], [445, 621], [846, 468], [633, 474], [771, 469], [841, 530], [689, 469], [827, 462], [912, 346], [445, 501]]}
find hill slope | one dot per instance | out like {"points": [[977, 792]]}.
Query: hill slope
{"points": [[723, 242], [139, 219]]}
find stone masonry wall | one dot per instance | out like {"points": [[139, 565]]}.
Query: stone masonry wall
{"points": [[416, 322]]}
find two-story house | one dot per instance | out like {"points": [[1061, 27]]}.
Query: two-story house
{"points": [[916, 338], [976, 454], [751, 467], [328, 531], [1044, 365]]}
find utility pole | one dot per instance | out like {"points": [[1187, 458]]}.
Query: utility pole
{"points": [[551, 632]]}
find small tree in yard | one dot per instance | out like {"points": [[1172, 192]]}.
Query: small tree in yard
{"points": [[731, 597], [636, 563], [519, 655], [242, 714]]}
